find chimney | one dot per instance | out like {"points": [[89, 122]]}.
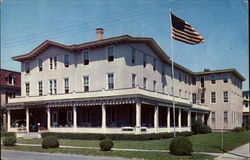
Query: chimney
{"points": [[206, 70], [99, 33]]}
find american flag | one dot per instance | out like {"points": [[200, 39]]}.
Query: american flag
{"points": [[182, 31]]}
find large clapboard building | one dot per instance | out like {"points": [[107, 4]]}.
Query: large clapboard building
{"points": [[119, 85]]}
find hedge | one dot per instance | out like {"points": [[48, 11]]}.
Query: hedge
{"points": [[7, 134], [93, 136]]}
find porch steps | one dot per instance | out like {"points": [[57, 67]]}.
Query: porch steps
{"points": [[29, 135]]}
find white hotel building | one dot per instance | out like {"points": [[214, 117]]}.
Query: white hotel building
{"points": [[119, 85]]}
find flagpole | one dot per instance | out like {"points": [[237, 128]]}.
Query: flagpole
{"points": [[172, 62]]}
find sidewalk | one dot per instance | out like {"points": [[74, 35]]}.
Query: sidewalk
{"points": [[239, 153]]}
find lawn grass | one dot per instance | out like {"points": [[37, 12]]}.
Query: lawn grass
{"points": [[201, 143], [126, 154]]}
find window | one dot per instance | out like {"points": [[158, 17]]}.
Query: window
{"points": [[189, 81], [179, 76], [40, 88], [213, 78], [225, 95], [163, 88], [225, 78], [185, 78], [51, 62], [213, 117], [133, 56], [66, 60], [194, 80], [194, 98], [144, 83], [50, 86], [162, 69], [69, 117], [203, 96], [180, 93], [40, 64], [133, 80], [202, 81], [110, 54], [85, 57], [154, 85], [66, 85], [10, 79], [86, 84], [55, 62], [27, 88], [27, 67], [225, 117], [246, 105], [213, 97], [55, 87], [154, 64], [144, 60], [110, 81]]}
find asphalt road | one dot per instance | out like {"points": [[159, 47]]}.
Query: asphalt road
{"points": [[20, 155]]}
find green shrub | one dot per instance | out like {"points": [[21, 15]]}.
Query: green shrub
{"points": [[238, 129], [200, 128], [50, 142], [106, 145], [181, 146], [6, 134], [9, 141]]}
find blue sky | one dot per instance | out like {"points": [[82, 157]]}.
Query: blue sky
{"points": [[223, 24]]}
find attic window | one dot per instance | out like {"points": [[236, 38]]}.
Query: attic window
{"points": [[66, 60], [10, 79], [86, 57], [110, 51], [27, 67]]}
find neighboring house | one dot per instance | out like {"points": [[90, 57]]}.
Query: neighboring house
{"points": [[115, 85], [245, 95], [10, 86]]}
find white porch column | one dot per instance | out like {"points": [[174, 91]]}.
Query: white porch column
{"points": [[189, 118], [48, 118], [168, 118], [8, 120], [196, 117], [74, 117], [156, 118], [179, 118], [203, 117], [138, 118], [27, 120], [103, 118]]}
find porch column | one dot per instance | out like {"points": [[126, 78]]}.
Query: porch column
{"points": [[48, 118], [196, 117], [27, 120], [8, 120], [168, 118], [203, 117], [189, 118], [179, 118], [74, 117], [138, 118], [103, 118], [156, 118]]}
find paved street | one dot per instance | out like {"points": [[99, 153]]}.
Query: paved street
{"points": [[20, 155]]}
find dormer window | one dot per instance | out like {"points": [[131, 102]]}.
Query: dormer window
{"points": [[110, 51], [66, 60], [10, 79], [27, 67], [154, 64], [40, 64], [133, 56], [86, 57]]}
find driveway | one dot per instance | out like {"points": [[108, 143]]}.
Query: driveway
{"points": [[20, 155]]}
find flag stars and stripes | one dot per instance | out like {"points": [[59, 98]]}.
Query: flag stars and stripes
{"points": [[182, 31]]}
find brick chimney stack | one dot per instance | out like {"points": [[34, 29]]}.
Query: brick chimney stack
{"points": [[99, 33]]}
